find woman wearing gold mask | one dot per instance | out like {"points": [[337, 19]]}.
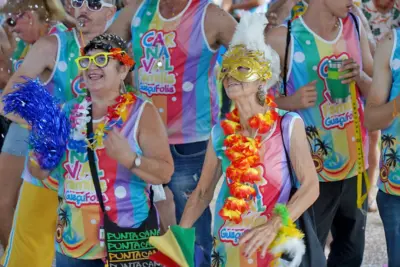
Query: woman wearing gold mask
{"points": [[249, 150]]}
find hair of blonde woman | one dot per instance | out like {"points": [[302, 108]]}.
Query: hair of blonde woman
{"points": [[47, 10]]}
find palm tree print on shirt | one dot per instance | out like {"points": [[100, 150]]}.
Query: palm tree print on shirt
{"points": [[319, 148], [390, 156], [217, 259], [63, 221]]}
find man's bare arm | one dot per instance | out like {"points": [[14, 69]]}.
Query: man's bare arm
{"points": [[379, 112], [276, 38], [40, 58], [279, 11], [219, 26], [366, 73], [122, 25]]}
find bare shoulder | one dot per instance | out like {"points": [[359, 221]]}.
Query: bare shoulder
{"points": [[276, 38], [217, 17], [219, 26], [43, 52], [214, 10], [385, 47], [149, 117], [47, 43], [387, 40]]}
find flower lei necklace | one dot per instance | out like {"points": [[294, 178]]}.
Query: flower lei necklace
{"points": [[243, 152], [116, 116]]}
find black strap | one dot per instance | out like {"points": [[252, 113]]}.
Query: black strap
{"points": [[92, 162], [288, 161], [356, 24], [285, 63], [93, 168]]}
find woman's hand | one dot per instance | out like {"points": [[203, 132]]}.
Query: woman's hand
{"points": [[35, 170], [118, 148], [260, 237]]}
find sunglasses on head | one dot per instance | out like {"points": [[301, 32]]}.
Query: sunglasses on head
{"points": [[93, 5], [99, 59], [13, 20]]}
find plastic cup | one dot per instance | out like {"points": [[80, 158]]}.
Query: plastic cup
{"points": [[340, 93]]}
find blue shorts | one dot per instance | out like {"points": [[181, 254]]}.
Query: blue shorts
{"points": [[16, 141]]}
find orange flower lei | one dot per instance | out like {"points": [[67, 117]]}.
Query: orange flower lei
{"points": [[243, 152]]}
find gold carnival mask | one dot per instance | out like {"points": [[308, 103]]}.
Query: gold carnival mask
{"points": [[244, 65]]}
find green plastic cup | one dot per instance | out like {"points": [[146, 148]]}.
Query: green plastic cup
{"points": [[340, 93]]}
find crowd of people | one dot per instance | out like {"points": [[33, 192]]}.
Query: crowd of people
{"points": [[289, 105]]}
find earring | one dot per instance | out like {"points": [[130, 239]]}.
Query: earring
{"points": [[261, 96], [122, 88]]}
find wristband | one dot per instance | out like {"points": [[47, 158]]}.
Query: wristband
{"points": [[394, 114]]}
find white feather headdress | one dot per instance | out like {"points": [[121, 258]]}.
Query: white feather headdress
{"points": [[250, 33]]}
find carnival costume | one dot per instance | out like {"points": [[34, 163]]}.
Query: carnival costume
{"points": [[255, 185]]}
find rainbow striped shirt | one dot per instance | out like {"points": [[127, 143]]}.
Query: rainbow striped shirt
{"points": [[175, 67], [330, 127]]}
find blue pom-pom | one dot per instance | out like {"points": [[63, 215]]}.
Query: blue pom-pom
{"points": [[50, 126]]}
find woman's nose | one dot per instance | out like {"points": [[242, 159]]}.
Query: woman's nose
{"points": [[92, 66]]}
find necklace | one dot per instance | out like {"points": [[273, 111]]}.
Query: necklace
{"points": [[243, 153], [115, 117]]}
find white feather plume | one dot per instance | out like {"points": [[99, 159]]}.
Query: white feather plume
{"points": [[294, 247], [250, 33]]}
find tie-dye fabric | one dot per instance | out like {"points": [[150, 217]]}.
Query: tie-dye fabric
{"points": [[175, 66], [125, 195], [274, 189], [389, 162], [330, 127]]}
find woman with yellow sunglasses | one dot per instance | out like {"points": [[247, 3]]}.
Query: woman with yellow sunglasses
{"points": [[118, 147]]}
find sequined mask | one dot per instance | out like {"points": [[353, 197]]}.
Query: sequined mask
{"points": [[244, 65]]}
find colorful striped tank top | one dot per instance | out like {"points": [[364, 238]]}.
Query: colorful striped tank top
{"points": [[66, 76], [175, 66], [330, 127], [389, 162], [274, 189], [125, 195], [22, 48]]}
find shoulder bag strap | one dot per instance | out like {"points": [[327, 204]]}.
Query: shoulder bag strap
{"points": [[356, 24], [285, 63], [93, 168], [92, 162], [289, 163]]}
